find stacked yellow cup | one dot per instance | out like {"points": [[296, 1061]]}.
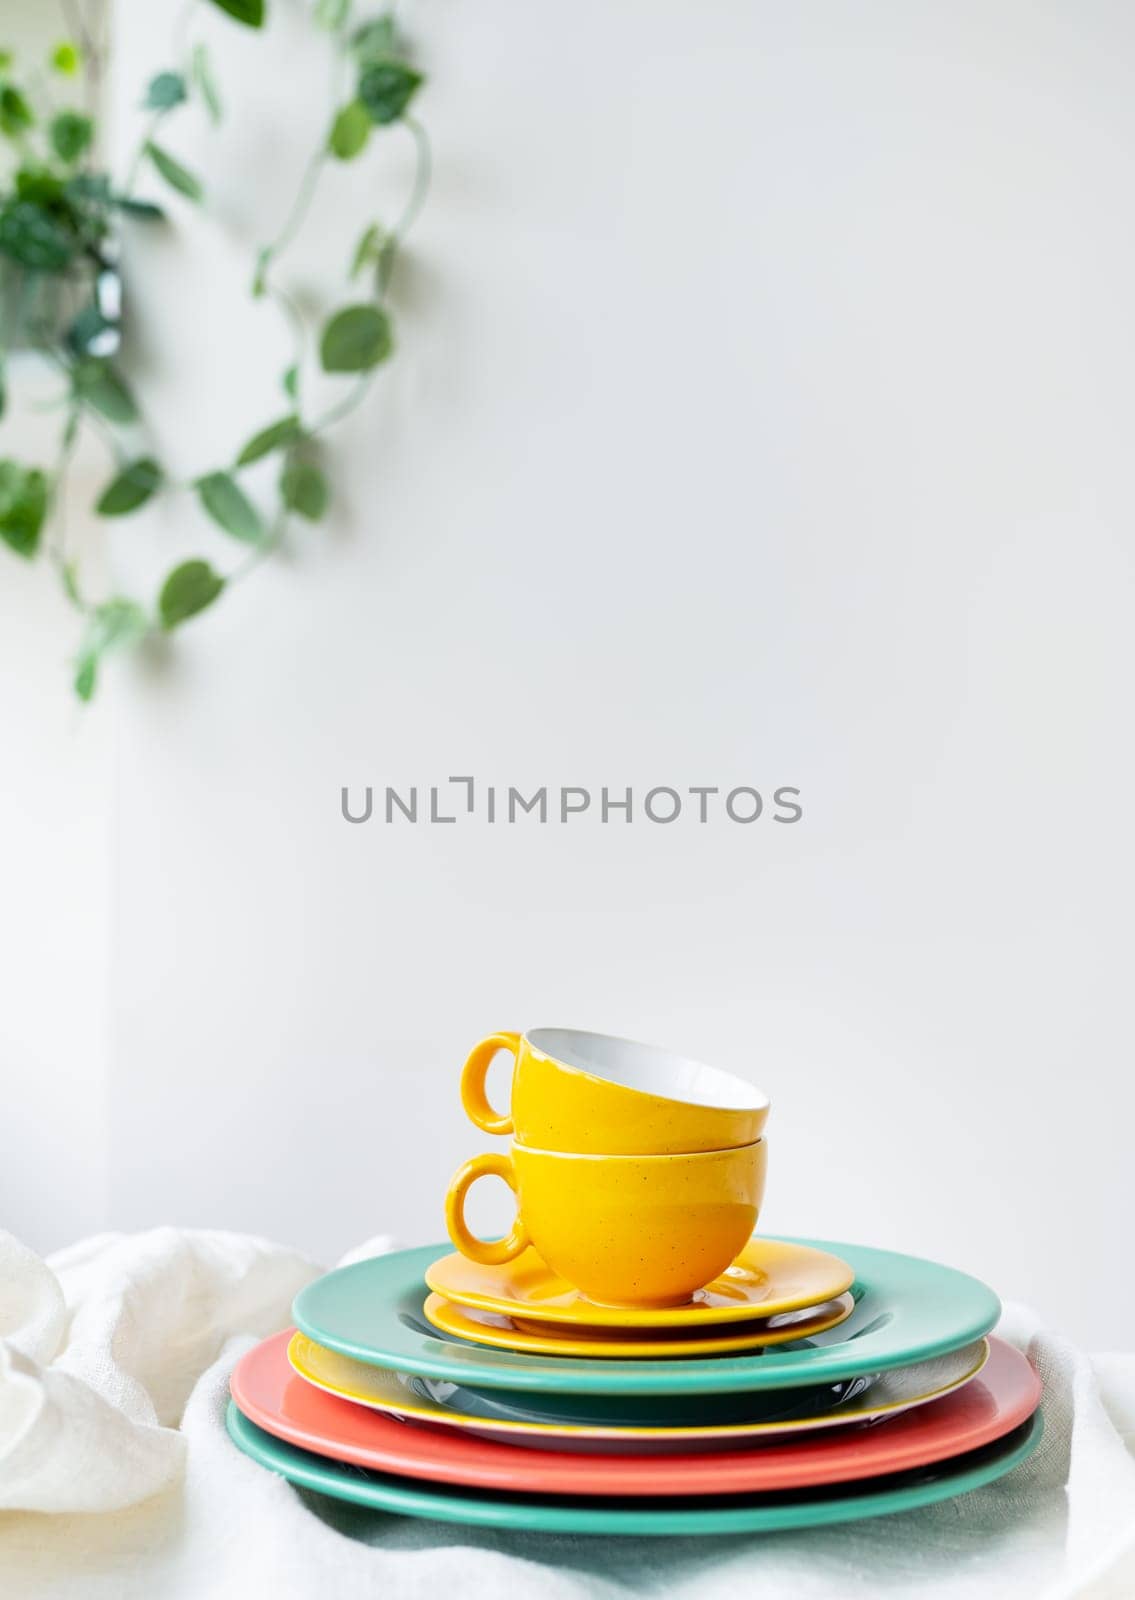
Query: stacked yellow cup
{"points": [[638, 1174]]}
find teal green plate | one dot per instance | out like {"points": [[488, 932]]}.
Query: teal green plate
{"points": [[765, 1513], [906, 1310]]}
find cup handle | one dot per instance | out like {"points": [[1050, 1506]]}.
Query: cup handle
{"points": [[473, 1073], [491, 1253]]}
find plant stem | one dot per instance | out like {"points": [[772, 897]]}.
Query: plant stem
{"points": [[116, 451], [294, 318], [181, 30], [300, 206], [423, 172], [76, 19], [418, 191], [263, 550], [77, 22], [57, 544], [137, 158], [309, 181], [180, 49], [343, 408]]}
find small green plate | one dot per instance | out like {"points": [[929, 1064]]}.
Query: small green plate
{"points": [[906, 1310], [765, 1513]]}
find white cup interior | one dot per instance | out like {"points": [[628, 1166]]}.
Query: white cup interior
{"points": [[641, 1066]]}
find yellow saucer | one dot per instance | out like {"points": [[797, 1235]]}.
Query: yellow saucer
{"points": [[444, 1404], [552, 1339], [769, 1277]]}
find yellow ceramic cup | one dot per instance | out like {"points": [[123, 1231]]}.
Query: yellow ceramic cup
{"points": [[597, 1095], [624, 1230]]}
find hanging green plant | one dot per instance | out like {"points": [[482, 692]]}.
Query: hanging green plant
{"points": [[60, 294]]}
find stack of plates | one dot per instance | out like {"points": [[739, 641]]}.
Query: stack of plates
{"points": [[811, 1383]]}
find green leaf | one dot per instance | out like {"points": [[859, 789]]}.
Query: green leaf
{"points": [[16, 115], [376, 41], [97, 384], [70, 134], [201, 71], [188, 590], [260, 274], [250, 12], [132, 487], [44, 187], [144, 210], [303, 488], [177, 176], [117, 621], [86, 674], [69, 576], [384, 263], [350, 130], [92, 187], [274, 437], [165, 91], [23, 506], [386, 89], [67, 58], [229, 506], [376, 249], [31, 236], [290, 383], [356, 339], [331, 14], [112, 626], [368, 248]]}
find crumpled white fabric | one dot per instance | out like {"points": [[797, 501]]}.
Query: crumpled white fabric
{"points": [[100, 1350], [114, 1363]]}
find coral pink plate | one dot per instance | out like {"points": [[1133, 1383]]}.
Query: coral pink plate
{"points": [[275, 1398]]}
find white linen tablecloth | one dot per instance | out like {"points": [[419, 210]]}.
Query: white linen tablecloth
{"points": [[117, 1478]]}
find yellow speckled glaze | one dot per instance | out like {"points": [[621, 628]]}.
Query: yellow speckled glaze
{"points": [[593, 1094], [658, 1344], [768, 1278], [624, 1230]]}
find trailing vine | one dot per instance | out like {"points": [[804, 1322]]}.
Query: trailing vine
{"points": [[60, 292]]}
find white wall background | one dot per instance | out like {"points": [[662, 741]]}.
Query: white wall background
{"points": [[762, 415]]}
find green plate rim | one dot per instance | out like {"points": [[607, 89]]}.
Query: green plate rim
{"points": [[913, 1309], [536, 1513]]}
